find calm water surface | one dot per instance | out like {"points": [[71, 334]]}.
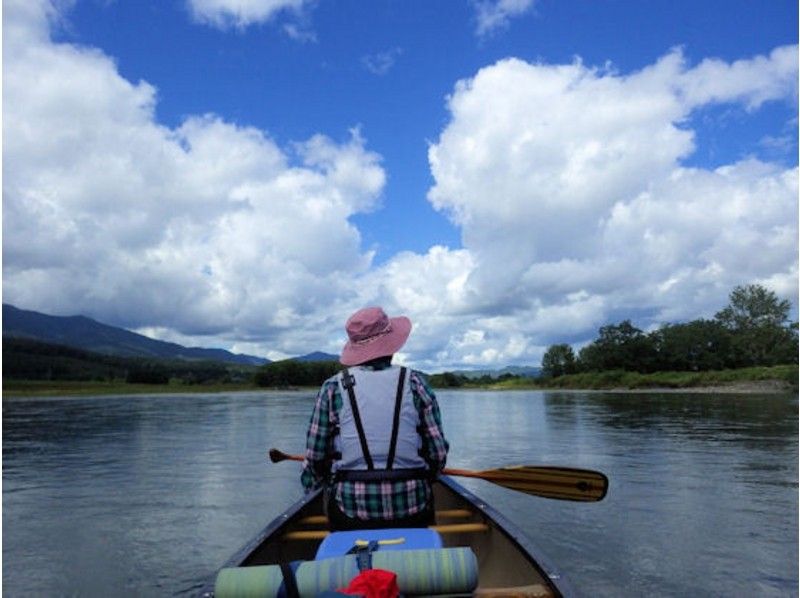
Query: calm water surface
{"points": [[147, 496]]}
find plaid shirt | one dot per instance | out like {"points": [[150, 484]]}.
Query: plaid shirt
{"points": [[373, 500]]}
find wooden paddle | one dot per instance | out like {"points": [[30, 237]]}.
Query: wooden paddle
{"points": [[562, 483]]}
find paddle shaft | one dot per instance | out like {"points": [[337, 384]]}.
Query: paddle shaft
{"points": [[563, 483], [277, 456]]}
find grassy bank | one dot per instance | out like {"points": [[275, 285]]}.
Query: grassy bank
{"points": [[777, 378], [24, 388]]}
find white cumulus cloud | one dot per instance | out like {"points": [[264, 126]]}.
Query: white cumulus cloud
{"points": [[569, 187], [209, 228]]}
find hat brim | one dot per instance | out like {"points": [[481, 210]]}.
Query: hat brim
{"points": [[381, 346]]}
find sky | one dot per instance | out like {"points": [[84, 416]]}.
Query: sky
{"points": [[509, 174]]}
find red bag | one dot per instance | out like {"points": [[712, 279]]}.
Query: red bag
{"points": [[373, 583]]}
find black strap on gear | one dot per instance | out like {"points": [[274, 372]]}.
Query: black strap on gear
{"points": [[364, 554], [348, 381], [289, 581], [381, 475], [396, 421]]}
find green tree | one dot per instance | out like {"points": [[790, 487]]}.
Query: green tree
{"points": [[558, 360], [291, 372], [700, 345], [590, 358], [447, 380], [147, 373], [620, 347], [760, 327]]}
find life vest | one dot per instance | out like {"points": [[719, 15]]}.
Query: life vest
{"points": [[378, 436]]}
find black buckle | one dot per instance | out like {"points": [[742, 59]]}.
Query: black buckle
{"points": [[348, 380], [364, 554]]}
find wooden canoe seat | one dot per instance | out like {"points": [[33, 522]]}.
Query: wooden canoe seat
{"points": [[314, 520], [531, 591], [443, 514], [453, 528], [461, 528]]}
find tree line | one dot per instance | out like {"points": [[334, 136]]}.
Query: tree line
{"points": [[454, 380], [27, 359], [752, 330], [290, 372]]}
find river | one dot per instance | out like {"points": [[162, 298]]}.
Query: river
{"points": [[148, 495]]}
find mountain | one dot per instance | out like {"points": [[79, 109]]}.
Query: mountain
{"points": [[317, 356], [88, 334], [525, 371], [515, 370]]}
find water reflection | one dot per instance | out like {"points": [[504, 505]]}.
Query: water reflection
{"points": [[117, 495], [703, 487], [148, 495]]}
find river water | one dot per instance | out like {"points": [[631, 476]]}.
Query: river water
{"points": [[148, 495]]}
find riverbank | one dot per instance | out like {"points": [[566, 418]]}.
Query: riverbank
{"points": [[776, 379], [762, 387], [781, 378], [43, 388]]}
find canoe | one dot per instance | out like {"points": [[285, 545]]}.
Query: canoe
{"points": [[506, 562]]}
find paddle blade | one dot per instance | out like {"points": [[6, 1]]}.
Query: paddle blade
{"points": [[562, 483], [276, 456]]}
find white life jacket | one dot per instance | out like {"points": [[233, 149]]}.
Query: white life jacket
{"points": [[378, 435]]}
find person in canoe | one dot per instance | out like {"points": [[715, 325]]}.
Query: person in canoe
{"points": [[375, 438]]}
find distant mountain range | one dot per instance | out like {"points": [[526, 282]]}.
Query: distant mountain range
{"points": [[317, 356], [91, 335], [515, 370], [88, 334]]}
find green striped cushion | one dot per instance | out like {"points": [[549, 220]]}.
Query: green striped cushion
{"points": [[430, 571]]}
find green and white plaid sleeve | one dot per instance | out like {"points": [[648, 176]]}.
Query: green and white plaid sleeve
{"points": [[319, 436]]}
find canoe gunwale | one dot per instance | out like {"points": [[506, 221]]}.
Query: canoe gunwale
{"points": [[514, 533]]}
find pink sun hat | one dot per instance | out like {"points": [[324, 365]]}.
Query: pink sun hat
{"points": [[373, 334]]}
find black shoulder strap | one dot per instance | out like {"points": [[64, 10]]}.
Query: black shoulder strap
{"points": [[348, 381], [396, 421]]}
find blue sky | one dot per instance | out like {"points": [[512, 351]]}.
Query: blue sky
{"points": [[509, 174], [388, 66]]}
